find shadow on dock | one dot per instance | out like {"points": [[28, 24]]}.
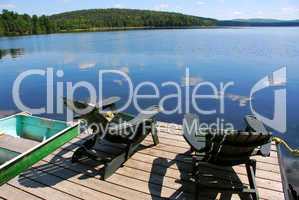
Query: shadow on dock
{"points": [[212, 175], [58, 168]]}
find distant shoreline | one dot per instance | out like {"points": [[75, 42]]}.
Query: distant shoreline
{"points": [[114, 29], [112, 19], [111, 29]]}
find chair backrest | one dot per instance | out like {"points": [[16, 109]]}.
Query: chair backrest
{"points": [[235, 147], [227, 147], [131, 131]]}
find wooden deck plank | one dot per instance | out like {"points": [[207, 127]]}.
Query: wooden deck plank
{"points": [[151, 173], [176, 150], [261, 181], [183, 145], [92, 178], [39, 189], [47, 177], [168, 155], [127, 175], [240, 169], [10, 192], [270, 163], [137, 186], [265, 184], [177, 136], [264, 181]]}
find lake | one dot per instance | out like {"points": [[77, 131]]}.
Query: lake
{"points": [[241, 55]]}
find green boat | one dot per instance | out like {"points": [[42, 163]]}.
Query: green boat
{"points": [[26, 139]]}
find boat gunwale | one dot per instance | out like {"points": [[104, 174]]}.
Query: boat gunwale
{"points": [[41, 144], [29, 114]]}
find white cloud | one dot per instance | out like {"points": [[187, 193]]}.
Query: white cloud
{"points": [[237, 13], [162, 6], [118, 6], [200, 3], [290, 9], [260, 14], [288, 12], [7, 5]]}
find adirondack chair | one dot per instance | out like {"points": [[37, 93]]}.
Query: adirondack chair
{"points": [[121, 129], [227, 148]]}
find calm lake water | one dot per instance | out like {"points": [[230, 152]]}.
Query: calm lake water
{"points": [[243, 56]]}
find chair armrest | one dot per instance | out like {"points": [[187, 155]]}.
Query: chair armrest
{"points": [[146, 115], [255, 125], [190, 133], [74, 104], [265, 150], [108, 103]]}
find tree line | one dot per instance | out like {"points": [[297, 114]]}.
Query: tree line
{"points": [[12, 23]]}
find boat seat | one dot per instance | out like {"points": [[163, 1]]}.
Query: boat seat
{"points": [[16, 144]]}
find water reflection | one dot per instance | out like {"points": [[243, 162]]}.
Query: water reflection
{"points": [[4, 113], [12, 53], [87, 65], [243, 100], [191, 81]]}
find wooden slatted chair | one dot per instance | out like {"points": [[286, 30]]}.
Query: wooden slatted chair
{"points": [[122, 129], [227, 148]]}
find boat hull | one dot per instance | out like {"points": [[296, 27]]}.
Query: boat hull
{"points": [[25, 160]]}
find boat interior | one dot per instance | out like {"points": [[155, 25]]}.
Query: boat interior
{"points": [[21, 132]]}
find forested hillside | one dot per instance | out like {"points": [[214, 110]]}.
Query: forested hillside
{"points": [[98, 18], [12, 23]]}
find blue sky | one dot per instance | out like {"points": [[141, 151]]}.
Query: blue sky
{"points": [[220, 9]]}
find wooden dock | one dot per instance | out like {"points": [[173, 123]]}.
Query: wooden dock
{"points": [[154, 172]]}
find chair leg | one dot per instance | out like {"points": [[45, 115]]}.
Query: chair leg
{"points": [[251, 170], [194, 175], [194, 167], [90, 143], [196, 191], [154, 133]]}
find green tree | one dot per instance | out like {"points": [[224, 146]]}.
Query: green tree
{"points": [[35, 25], [2, 28]]}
